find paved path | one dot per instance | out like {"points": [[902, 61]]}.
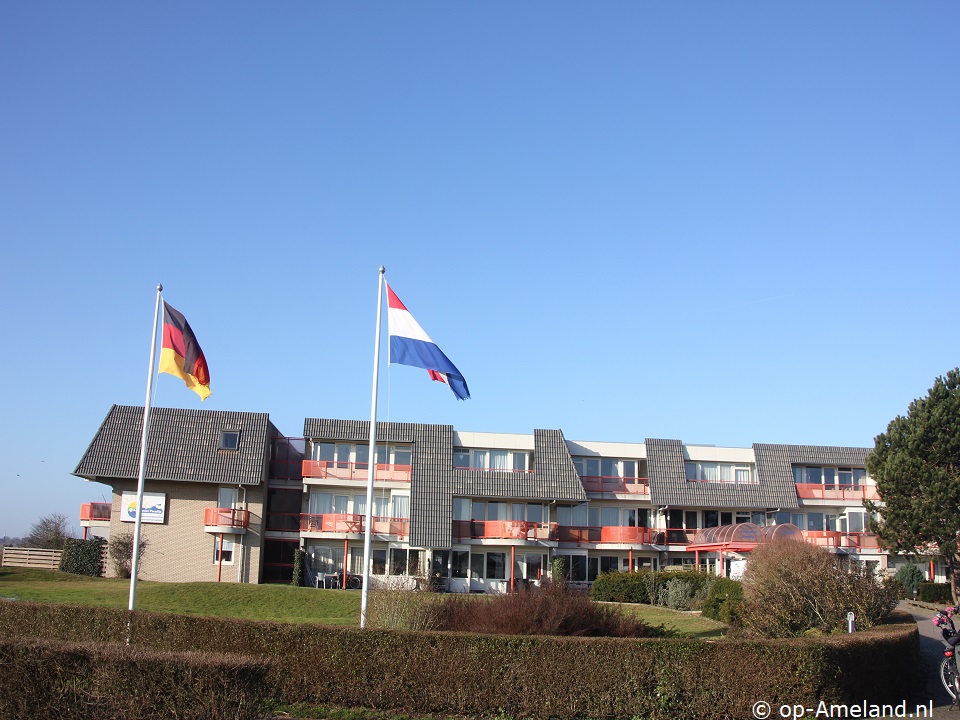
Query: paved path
{"points": [[931, 653]]}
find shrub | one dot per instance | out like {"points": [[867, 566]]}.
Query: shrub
{"points": [[792, 587], [396, 608], [120, 549], [299, 560], [552, 609], [909, 577], [559, 569], [83, 557], [635, 587], [723, 601], [936, 593]]}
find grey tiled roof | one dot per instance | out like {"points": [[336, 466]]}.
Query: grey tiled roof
{"points": [[434, 481], [183, 445], [774, 462], [669, 485]]}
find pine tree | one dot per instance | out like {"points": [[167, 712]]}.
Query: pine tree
{"points": [[916, 464]]}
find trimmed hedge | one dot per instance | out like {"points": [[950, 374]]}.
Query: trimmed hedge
{"points": [[646, 586], [460, 673], [45, 679], [936, 593], [83, 557]]}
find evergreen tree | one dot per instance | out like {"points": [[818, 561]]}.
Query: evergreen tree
{"points": [[916, 464]]}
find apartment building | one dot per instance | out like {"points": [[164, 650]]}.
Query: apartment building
{"points": [[230, 499]]}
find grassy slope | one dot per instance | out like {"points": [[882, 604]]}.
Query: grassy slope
{"points": [[281, 603]]}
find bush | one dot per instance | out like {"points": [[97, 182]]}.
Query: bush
{"points": [[636, 587], [909, 577], [83, 557], [120, 549], [723, 601], [793, 587], [298, 578], [935, 593], [551, 609], [678, 589]]}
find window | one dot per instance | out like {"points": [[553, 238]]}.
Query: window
{"points": [[461, 508], [400, 506], [490, 459], [324, 559], [459, 563], [379, 559], [283, 509], [344, 455], [439, 563], [496, 565], [740, 473], [230, 440], [223, 549], [476, 566], [606, 467], [228, 497], [576, 567], [575, 516], [831, 478]]}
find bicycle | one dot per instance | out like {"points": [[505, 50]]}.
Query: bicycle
{"points": [[949, 672]]}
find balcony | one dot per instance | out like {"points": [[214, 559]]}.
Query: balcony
{"points": [[843, 493], [226, 520], [603, 484], [347, 523], [834, 539], [330, 470], [503, 530], [95, 513]]}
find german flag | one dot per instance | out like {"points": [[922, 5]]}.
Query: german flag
{"points": [[181, 354]]}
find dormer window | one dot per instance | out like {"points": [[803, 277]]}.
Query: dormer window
{"points": [[230, 440]]}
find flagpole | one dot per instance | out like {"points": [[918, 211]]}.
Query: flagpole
{"points": [[135, 564], [372, 461]]}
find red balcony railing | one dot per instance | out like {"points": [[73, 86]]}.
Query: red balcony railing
{"points": [[95, 511], [836, 539], [355, 471], [350, 523], [627, 534], [226, 517], [503, 530], [851, 493], [603, 484]]}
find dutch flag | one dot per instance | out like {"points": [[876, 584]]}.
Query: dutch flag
{"points": [[410, 345]]}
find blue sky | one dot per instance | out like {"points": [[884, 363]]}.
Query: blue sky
{"points": [[725, 223]]}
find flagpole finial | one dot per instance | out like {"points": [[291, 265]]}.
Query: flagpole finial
{"points": [[382, 269], [159, 287]]}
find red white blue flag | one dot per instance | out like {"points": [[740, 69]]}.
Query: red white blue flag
{"points": [[410, 345]]}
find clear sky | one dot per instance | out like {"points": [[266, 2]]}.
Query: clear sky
{"points": [[724, 223]]}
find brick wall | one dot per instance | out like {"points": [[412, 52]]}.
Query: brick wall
{"points": [[179, 550]]}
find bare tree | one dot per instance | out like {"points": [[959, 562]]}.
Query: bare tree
{"points": [[50, 531]]}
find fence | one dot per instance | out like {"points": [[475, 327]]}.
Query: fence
{"points": [[31, 557]]}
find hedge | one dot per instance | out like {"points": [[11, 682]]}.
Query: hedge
{"points": [[644, 586], [46, 679], [460, 673], [83, 557], [936, 593]]}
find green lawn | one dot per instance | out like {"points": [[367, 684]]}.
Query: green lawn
{"points": [[280, 603]]}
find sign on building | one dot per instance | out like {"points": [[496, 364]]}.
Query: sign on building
{"points": [[154, 507]]}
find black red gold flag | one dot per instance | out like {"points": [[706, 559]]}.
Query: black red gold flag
{"points": [[181, 354]]}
